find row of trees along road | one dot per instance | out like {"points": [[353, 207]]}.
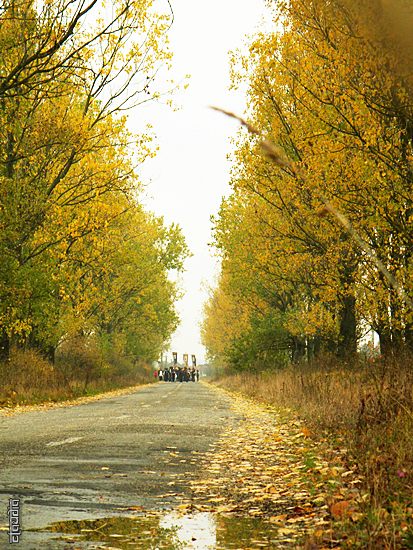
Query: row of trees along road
{"points": [[332, 87], [79, 254]]}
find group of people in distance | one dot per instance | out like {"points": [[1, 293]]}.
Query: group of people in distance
{"points": [[177, 374]]}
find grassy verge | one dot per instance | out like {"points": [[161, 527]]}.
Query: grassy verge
{"points": [[27, 378], [366, 407]]}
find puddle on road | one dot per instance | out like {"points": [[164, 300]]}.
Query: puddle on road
{"points": [[169, 531]]}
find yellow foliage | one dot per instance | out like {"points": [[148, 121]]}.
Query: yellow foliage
{"points": [[331, 92]]}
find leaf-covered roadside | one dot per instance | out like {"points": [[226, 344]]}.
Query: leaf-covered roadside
{"points": [[270, 466]]}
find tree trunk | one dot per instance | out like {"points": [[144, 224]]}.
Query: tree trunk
{"points": [[50, 354], [347, 338], [297, 348], [313, 347], [347, 343], [408, 337], [386, 345], [396, 322], [4, 346]]}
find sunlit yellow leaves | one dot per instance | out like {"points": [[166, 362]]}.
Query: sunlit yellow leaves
{"points": [[84, 256], [332, 99]]}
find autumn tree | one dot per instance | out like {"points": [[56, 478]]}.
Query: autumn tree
{"points": [[79, 253], [42, 45], [331, 90]]}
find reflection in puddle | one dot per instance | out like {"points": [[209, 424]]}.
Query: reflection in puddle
{"points": [[197, 531], [140, 532], [169, 531]]}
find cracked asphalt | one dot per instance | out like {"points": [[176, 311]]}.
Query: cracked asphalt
{"points": [[100, 458]]}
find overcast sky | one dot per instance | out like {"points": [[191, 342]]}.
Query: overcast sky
{"points": [[189, 176]]}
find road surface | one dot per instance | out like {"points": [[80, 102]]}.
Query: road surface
{"points": [[96, 459]]}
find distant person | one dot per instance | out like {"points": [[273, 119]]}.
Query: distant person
{"points": [[160, 374], [155, 374], [197, 375]]}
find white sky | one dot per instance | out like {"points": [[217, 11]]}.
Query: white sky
{"points": [[189, 176]]}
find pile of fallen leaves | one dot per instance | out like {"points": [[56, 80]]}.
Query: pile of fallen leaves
{"points": [[269, 466]]}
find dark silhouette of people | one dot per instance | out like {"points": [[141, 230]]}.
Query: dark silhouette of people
{"points": [[177, 374]]}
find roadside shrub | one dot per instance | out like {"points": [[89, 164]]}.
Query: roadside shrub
{"points": [[80, 368], [80, 361], [124, 371], [26, 374]]}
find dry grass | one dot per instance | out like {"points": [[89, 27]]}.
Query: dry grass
{"points": [[369, 407], [28, 378]]}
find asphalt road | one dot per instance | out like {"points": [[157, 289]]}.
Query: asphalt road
{"points": [[95, 459]]}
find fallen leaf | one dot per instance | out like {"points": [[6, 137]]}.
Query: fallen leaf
{"points": [[341, 509]]}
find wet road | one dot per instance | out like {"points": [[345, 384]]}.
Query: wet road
{"points": [[96, 459]]}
